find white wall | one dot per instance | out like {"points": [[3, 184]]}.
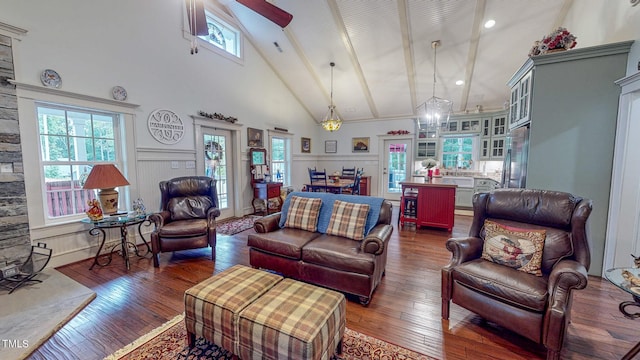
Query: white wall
{"points": [[95, 45]]}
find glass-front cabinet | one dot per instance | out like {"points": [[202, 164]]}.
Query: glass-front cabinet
{"points": [[427, 141], [520, 101], [493, 136], [499, 126], [427, 149]]}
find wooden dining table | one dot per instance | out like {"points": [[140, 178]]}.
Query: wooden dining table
{"points": [[331, 186]]}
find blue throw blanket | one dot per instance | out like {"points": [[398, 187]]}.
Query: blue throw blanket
{"points": [[328, 199]]}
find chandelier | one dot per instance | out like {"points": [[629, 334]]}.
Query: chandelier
{"points": [[435, 111], [331, 121]]}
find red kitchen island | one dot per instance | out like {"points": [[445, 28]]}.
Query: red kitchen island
{"points": [[427, 204]]}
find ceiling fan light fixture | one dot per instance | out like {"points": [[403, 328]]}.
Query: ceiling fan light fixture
{"points": [[332, 121]]}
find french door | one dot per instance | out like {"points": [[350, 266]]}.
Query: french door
{"points": [[396, 166], [218, 164]]}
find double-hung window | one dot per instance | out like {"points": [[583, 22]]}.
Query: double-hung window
{"points": [[458, 152], [71, 141], [281, 159]]}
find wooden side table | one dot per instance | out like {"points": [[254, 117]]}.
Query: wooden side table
{"points": [[263, 192]]}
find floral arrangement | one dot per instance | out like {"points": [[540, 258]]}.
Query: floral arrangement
{"points": [[561, 38], [429, 163]]}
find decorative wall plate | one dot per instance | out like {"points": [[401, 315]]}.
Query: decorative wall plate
{"points": [[119, 93], [50, 78]]}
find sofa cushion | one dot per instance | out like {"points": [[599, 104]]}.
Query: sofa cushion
{"points": [[517, 248], [348, 220], [375, 204], [183, 208], [339, 253], [286, 242], [505, 284], [303, 213]]}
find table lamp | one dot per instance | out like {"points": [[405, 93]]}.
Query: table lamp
{"points": [[106, 177]]}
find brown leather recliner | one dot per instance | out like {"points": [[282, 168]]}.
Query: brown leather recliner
{"points": [[537, 308], [187, 217]]}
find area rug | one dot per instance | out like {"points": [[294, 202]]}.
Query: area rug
{"points": [[236, 225], [169, 341], [32, 313]]}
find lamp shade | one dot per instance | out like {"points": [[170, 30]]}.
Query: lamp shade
{"points": [[105, 176]]}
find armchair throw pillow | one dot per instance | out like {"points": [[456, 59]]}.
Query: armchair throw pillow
{"points": [[303, 213], [348, 220], [518, 248]]}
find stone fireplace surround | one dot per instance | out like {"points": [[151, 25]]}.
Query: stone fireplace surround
{"points": [[15, 242]]}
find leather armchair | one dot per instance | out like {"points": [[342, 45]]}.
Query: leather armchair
{"points": [[537, 308], [187, 217]]}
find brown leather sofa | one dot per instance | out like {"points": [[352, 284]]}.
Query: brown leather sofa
{"points": [[187, 217], [535, 307], [346, 265]]}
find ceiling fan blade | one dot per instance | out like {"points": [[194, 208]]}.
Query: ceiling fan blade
{"points": [[268, 10], [197, 18]]}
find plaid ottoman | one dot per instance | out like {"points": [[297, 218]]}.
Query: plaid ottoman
{"points": [[212, 306], [293, 320]]}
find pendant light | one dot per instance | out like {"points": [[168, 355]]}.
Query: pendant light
{"points": [[435, 111], [331, 121]]}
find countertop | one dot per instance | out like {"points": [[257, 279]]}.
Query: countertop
{"points": [[416, 184]]}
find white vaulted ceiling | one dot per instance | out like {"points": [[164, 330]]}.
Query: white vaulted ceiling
{"points": [[383, 54]]}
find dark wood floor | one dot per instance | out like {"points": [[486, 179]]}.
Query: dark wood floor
{"points": [[405, 308]]}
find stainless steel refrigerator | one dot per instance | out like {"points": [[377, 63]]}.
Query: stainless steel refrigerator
{"points": [[514, 170]]}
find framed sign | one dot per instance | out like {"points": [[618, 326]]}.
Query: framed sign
{"points": [[254, 137], [330, 146], [305, 145], [360, 144]]}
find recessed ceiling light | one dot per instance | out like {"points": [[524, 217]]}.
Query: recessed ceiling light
{"points": [[459, 82], [489, 24]]}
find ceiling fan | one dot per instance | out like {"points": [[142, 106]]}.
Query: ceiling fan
{"points": [[269, 11]]}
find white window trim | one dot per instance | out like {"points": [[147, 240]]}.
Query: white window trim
{"points": [[202, 44], [285, 135], [475, 150], [28, 97]]}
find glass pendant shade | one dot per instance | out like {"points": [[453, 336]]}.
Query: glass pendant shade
{"points": [[435, 111], [332, 121]]}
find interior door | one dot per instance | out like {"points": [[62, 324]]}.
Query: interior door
{"points": [[218, 165], [396, 167]]}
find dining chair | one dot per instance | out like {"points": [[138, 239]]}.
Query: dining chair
{"points": [[354, 189], [318, 180], [348, 173]]}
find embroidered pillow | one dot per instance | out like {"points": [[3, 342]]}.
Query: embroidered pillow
{"points": [[303, 213], [518, 248], [348, 220]]}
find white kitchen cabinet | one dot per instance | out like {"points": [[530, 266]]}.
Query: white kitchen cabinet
{"points": [[464, 197]]}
